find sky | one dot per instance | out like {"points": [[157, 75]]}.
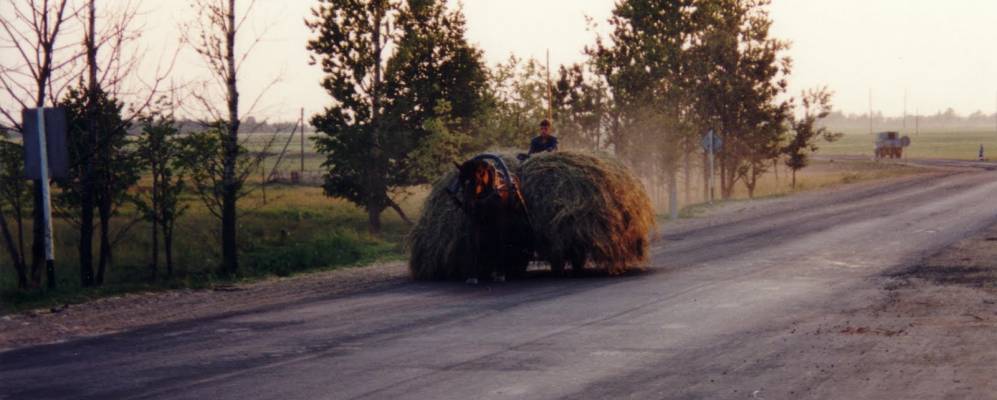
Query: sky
{"points": [[940, 54]]}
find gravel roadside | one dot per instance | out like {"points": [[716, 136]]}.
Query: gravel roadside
{"points": [[121, 313]]}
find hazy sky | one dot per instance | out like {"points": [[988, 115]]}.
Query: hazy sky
{"points": [[942, 53]]}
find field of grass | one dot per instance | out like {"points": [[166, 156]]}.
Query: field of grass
{"points": [[949, 145], [298, 229]]}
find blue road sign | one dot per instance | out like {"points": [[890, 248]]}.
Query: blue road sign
{"points": [[712, 142]]}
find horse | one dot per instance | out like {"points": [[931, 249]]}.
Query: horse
{"points": [[500, 241]]}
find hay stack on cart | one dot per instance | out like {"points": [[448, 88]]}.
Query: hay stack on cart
{"points": [[587, 208], [584, 209]]}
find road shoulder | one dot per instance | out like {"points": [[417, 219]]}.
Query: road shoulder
{"points": [[930, 332], [132, 311]]}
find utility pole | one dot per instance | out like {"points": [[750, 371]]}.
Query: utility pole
{"points": [[905, 111], [550, 101], [917, 121], [870, 111], [301, 124], [709, 144]]}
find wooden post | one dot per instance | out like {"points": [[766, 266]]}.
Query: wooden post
{"points": [[550, 99], [263, 182], [301, 124]]}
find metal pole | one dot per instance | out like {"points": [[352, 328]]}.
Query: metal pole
{"points": [[46, 191], [710, 141], [673, 196], [870, 111], [550, 100], [301, 125]]}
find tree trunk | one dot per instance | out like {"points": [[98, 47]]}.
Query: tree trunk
{"points": [[775, 169], [87, 189], [230, 260], [794, 179], [86, 236], [230, 263], [376, 175], [168, 248], [706, 177], [15, 256], [750, 182], [38, 238], [688, 177], [154, 262], [374, 220], [723, 177], [398, 209], [104, 211], [19, 218], [673, 194]]}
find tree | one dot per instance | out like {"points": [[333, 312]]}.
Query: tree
{"points": [[388, 107], [213, 37], [580, 109], [160, 149], [107, 67], [435, 86], [203, 156], [516, 103], [806, 132], [642, 64], [740, 75], [15, 195], [645, 63], [35, 75], [113, 169]]}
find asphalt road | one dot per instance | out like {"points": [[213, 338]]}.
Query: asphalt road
{"points": [[732, 307]]}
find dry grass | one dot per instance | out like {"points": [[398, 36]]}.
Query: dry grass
{"points": [[821, 173], [587, 206]]}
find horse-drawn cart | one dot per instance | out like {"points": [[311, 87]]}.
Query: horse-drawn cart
{"points": [[493, 215]]}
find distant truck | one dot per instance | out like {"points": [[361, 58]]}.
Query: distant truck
{"points": [[890, 145]]}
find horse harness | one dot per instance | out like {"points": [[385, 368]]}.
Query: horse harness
{"points": [[509, 180]]}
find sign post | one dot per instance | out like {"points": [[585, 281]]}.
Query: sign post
{"points": [[46, 190], [711, 143], [45, 157]]}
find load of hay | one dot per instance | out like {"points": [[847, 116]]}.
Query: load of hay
{"points": [[584, 209], [437, 249], [587, 207]]}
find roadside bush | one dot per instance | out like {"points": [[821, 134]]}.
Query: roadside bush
{"points": [[337, 249]]}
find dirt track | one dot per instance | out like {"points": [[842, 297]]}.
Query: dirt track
{"points": [[875, 290]]}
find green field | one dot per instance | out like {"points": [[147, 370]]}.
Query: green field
{"points": [[950, 145], [297, 229]]}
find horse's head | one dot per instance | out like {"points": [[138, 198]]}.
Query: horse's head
{"points": [[475, 179]]}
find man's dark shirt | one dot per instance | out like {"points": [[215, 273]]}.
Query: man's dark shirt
{"points": [[538, 144]]}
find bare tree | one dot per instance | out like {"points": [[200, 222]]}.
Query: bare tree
{"points": [[34, 75], [98, 183], [213, 36]]}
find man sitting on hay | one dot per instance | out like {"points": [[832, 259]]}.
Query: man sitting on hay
{"points": [[544, 142]]}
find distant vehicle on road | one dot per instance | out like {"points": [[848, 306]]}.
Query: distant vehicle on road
{"points": [[890, 145]]}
